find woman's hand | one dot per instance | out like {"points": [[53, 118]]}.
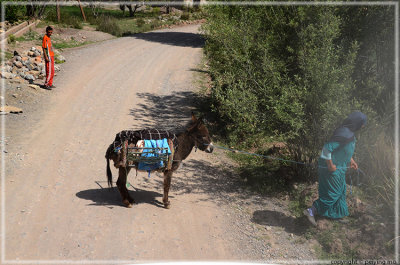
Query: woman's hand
{"points": [[331, 166], [353, 164]]}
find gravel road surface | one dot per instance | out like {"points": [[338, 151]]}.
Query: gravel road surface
{"points": [[57, 204]]}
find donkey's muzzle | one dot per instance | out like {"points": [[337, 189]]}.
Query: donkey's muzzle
{"points": [[210, 148]]}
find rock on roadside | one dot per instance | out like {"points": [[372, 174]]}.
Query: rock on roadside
{"points": [[27, 65]]}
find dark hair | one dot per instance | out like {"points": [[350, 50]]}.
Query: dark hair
{"points": [[49, 28]]}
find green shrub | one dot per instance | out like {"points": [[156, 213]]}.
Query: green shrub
{"points": [[185, 16], [11, 38], [156, 11], [57, 59], [14, 13], [29, 36], [109, 25], [72, 21], [140, 22], [294, 73], [377, 177], [155, 24]]}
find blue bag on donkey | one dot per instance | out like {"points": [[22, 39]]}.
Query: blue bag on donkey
{"points": [[161, 146]]}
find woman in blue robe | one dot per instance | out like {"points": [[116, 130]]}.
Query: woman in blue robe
{"points": [[336, 155]]}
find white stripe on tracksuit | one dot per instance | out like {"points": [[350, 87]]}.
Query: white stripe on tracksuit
{"points": [[48, 56]]}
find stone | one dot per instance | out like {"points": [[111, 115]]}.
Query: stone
{"points": [[33, 49], [36, 87], [18, 64], [18, 58], [38, 59], [23, 59], [34, 73], [6, 75], [30, 77], [31, 54], [25, 62], [22, 74], [23, 69], [61, 58], [57, 68], [30, 67], [37, 53], [10, 109]]}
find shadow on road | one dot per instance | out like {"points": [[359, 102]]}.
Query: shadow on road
{"points": [[293, 225], [183, 39], [100, 197], [163, 112], [111, 197], [197, 176]]}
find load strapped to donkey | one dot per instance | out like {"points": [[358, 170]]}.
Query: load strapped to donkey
{"points": [[148, 149], [154, 150]]}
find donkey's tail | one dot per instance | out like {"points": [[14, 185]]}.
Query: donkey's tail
{"points": [[109, 174]]}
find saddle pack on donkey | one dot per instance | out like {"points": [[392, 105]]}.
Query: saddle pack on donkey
{"points": [[148, 149], [154, 150]]}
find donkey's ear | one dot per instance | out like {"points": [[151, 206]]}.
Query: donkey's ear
{"points": [[194, 119]]}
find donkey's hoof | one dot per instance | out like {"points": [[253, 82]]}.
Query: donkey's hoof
{"points": [[127, 203], [167, 205]]}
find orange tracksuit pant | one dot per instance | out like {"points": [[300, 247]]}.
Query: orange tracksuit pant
{"points": [[49, 71]]}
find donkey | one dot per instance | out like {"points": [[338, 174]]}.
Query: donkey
{"points": [[195, 135]]}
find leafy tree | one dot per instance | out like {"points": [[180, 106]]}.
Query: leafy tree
{"points": [[293, 73]]}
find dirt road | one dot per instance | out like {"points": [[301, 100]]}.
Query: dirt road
{"points": [[58, 207]]}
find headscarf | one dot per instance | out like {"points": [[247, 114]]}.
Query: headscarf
{"points": [[345, 133]]}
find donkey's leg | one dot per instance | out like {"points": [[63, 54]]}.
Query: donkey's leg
{"points": [[167, 185], [121, 184]]}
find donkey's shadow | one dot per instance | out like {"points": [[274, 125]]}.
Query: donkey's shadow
{"points": [[111, 197]]}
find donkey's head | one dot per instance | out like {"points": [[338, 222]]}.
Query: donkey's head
{"points": [[199, 132]]}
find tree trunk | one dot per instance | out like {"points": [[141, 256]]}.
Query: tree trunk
{"points": [[58, 12], [30, 10], [122, 7], [132, 11], [41, 11], [83, 13]]}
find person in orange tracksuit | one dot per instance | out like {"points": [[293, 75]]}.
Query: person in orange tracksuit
{"points": [[48, 55]]}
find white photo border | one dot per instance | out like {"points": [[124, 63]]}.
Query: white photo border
{"points": [[172, 3]]}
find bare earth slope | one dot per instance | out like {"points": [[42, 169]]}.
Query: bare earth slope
{"points": [[57, 204]]}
